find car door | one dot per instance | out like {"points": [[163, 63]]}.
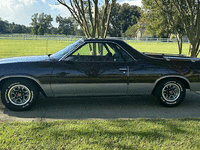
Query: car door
{"points": [[94, 69]]}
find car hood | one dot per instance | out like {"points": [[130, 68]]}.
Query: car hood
{"points": [[24, 59]]}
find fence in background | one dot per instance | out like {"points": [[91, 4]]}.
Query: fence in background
{"points": [[74, 38]]}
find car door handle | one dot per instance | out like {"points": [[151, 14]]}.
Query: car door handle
{"points": [[122, 69]]}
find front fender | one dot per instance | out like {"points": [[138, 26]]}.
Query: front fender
{"points": [[44, 88]]}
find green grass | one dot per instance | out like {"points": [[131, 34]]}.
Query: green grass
{"points": [[12, 48], [102, 134], [170, 48]]}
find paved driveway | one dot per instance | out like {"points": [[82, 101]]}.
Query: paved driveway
{"points": [[104, 108]]}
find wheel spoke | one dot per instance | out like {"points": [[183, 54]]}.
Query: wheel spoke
{"points": [[19, 95], [171, 92]]}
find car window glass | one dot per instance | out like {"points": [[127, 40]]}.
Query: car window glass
{"points": [[124, 54], [120, 54], [93, 52], [100, 52], [91, 49]]}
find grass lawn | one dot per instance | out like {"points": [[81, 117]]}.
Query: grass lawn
{"points": [[170, 48], [11, 48], [96, 134]]}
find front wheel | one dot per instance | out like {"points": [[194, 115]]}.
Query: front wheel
{"points": [[170, 92], [19, 94]]}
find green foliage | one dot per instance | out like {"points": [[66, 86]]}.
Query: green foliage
{"points": [[101, 134], [35, 30], [6, 28], [154, 19], [66, 25], [41, 31], [129, 16], [122, 16], [41, 23], [132, 31], [180, 17]]}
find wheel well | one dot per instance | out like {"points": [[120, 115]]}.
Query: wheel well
{"points": [[23, 78], [187, 86]]}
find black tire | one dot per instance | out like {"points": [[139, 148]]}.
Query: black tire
{"points": [[170, 92], [19, 95]]}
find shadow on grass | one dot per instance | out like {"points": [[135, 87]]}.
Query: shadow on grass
{"points": [[121, 134]]}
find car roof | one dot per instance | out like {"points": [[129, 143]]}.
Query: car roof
{"points": [[102, 40]]}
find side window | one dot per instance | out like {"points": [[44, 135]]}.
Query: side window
{"points": [[106, 52], [125, 56], [119, 53], [91, 52]]}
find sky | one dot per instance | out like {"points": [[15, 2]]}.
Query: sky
{"points": [[20, 11]]}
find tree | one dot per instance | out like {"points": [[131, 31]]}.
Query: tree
{"points": [[114, 29], [66, 25], [41, 23], [132, 31], [129, 16], [4, 27], [122, 16], [34, 24], [15, 28], [154, 19], [160, 23], [93, 20], [7, 28], [188, 12], [26, 29]]}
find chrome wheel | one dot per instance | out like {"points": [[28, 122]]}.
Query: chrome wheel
{"points": [[171, 92], [19, 95]]}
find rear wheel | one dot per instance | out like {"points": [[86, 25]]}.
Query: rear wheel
{"points": [[170, 92], [19, 94]]}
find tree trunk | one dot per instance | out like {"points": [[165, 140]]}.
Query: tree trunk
{"points": [[94, 52], [100, 49], [92, 25], [194, 49], [180, 42]]}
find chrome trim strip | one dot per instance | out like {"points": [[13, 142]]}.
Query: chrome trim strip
{"points": [[172, 76], [20, 76], [122, 69], [192, 59], [192, 86]]}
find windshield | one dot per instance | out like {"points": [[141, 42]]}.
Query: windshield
{"points": [[58, 55]]}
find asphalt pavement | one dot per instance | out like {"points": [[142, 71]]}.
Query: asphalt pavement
{"points": [[103, 108]]}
